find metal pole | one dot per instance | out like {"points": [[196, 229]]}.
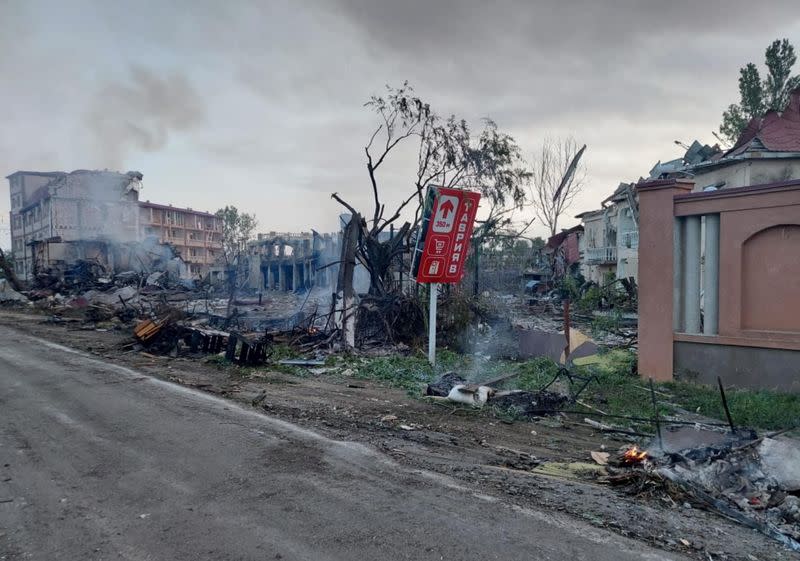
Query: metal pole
{"points": [[566, 330], [725, 405], [434, 288], [476, 280]]}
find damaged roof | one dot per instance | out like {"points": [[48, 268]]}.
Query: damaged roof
{"points": [[774, 132], [555, 241], [696, 154]]}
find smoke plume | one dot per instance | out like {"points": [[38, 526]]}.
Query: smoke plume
{"points": [[141, 113]]}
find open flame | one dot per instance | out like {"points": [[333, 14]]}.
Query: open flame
{"points": [[634, 455]]}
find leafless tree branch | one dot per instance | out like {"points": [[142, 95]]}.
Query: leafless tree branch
{"points": [[548, 170]]}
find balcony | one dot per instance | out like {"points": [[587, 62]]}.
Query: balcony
{"points": [[601, 255], [630, 239]]}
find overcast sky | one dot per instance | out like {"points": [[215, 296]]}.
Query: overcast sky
{"points": [[260, 104]]}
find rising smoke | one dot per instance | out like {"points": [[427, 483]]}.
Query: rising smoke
{"points": [[140, 114]]}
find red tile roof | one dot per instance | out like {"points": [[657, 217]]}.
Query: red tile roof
{"points": [[554, 242], [777, 132]]}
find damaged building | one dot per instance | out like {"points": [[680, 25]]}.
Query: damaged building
{"points": [[52, 212], [196, 236], [722, 256], [289, 261], [610, 243], [767, 151], [59, 219]]}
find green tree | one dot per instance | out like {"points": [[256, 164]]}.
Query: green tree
{"points": [[758, 96], [237, 230]]}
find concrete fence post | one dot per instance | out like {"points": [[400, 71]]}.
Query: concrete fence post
{"points": [[657, 251]]}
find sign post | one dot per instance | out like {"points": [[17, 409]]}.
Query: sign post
{"points": [[442, 245], [434, 288]]}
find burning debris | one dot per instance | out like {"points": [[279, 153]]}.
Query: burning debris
{"points": [[751, 479], [739, 477], [633, 456]]}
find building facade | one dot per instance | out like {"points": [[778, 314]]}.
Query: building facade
{"points": [[610, 242], [57, 208], [292, 261], [767, 152], [58, 218], [195, 235]]}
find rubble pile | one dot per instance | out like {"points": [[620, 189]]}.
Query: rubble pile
{"points": [[752, 480], [9, 295], [146, 287]]}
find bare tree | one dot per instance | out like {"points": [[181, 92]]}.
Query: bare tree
{"points": [[448, 155], [554, 185]]}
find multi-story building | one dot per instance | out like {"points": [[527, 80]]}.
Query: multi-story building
{"points": [[52, 210], [195, 235], [610, 241], [58, 217]]}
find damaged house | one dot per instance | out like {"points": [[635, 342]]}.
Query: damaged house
{"points": [[610, 243], [767, 151], [563, 250]]}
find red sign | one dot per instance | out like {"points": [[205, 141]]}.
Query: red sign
{"points": [[446, 236]]}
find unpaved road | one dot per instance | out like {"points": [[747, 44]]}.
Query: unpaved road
{"points": [[98, 461]]}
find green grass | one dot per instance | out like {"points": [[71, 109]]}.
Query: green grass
{"points": [[764, 409], [410, 373], [621, 393], [617, 391]]}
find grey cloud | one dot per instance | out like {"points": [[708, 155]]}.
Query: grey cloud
{"points": [[578, 26], [270, 92]]}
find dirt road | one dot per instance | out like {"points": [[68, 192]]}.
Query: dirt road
{"points": [[103, 462]]}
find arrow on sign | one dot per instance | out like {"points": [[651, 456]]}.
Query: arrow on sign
{"points": [[447, 208]]}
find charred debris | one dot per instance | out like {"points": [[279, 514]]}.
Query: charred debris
{"points": [[730, 470], [685, 461]]}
